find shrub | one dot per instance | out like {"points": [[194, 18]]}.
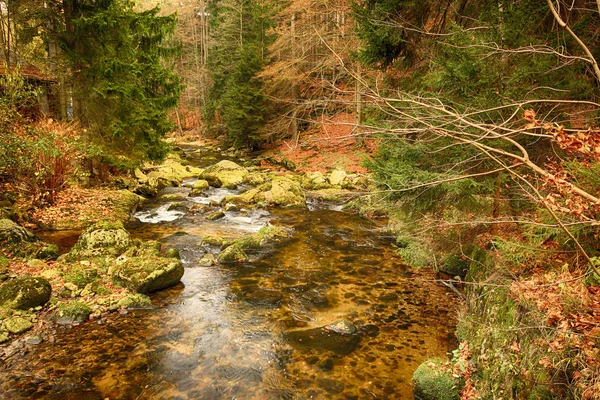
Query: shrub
{"points": [[38, 159]]}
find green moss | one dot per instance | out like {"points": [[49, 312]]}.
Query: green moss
{"points": [[81, 276], [134, 300], [72, 311], [148, 274], [25, 293], [213, 240], [17, 325], [432, 382], [105, 238], [231, 254]]}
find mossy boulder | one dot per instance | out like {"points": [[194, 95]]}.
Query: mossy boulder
{"points": [[4, 262], [248, 197], [146, 274], [17, 241], [315, 180], [340, 337], [225, 173], [213, 240], [199, 187], [134, 300], [331, 194], [101, 239], [172, 171], [256, 178], [337, 177], [284, 192], [25, 293], [235, 250], [72, 312], [432, 381], [231, 254], [17, 325]]}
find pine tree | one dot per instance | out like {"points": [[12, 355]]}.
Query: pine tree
{"points": [[239, 38], [123, 89]]}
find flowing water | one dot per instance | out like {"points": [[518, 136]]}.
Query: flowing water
{"points": [[224, 332]]}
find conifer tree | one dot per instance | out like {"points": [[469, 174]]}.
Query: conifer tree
{"points": [[239, 38], [122, 86]]}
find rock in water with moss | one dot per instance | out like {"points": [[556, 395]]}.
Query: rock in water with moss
{"points": [[225, 173], [101, 239], [146, 274], [431, 381], [25, 293], [17, 241], [284, 192], [71, 312]]}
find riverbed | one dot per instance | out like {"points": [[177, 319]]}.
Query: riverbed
{"points": [[225, 331]]}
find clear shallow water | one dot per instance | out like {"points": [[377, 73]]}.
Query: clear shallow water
{"points": [[223, 332]]}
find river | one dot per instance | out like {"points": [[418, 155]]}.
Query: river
{"points": [[224, 331]]}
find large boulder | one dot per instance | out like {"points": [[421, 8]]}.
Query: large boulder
{"points": [[431, 381], [101, 239], [25, 293], [17, 241], [340, 337], [225, 173], [285, 193], [173, 171]]}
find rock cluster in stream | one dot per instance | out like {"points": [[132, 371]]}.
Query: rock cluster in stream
{"points": [[106, 270]]}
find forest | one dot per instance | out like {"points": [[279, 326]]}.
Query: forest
{"points": [[466, 132]]}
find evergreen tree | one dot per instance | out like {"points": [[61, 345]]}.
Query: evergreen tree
{"points": [[122, 88], [235, 103]]}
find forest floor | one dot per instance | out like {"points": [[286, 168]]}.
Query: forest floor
{"points": [[332, 144]]}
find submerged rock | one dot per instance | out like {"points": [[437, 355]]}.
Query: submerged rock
{"points": [[339, 337], [101, 239], [20, 242], [225, 173], [25, 293]]}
